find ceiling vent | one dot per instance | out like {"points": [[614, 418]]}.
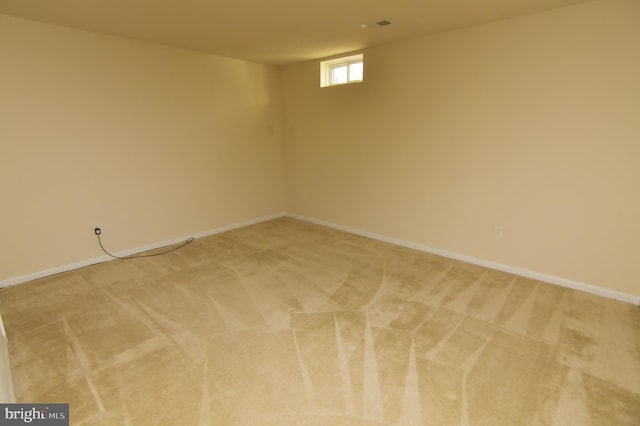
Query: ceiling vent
{"points": [[378, 24]]}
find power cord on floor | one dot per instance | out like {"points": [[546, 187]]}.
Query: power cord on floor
{"points": [[98, 232]]}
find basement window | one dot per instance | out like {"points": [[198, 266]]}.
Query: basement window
{"points": [[344, 70]]}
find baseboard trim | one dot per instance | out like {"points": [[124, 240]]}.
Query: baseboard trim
{"points": [[88, 262], [575, 285]]}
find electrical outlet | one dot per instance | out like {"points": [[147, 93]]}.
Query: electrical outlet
{"points": [[97, 230], [498, 231]]}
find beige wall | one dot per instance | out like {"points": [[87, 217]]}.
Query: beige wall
{"points": [[532, 124], [149, 142]]}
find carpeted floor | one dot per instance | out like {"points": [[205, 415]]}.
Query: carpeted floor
{"points": [[288, 323]]}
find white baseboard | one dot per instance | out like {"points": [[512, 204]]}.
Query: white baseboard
{"points": [[64, 268], [587, 288]]}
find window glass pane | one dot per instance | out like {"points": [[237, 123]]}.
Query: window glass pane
{"points": [[339, 74], [341, 70], [355, 71]]}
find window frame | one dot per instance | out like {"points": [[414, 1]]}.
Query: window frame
{"points": [[327, 67]]}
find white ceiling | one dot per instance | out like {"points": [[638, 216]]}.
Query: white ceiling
{"points": [[272, 31]]}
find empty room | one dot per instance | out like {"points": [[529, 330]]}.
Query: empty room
{"points": [[333, 213]]}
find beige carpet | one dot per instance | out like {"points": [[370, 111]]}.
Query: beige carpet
{"points": [[288, 323]]}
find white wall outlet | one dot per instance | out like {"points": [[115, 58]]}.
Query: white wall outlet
{"points": [[498, 231]]}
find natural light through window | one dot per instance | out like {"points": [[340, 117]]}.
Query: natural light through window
{"points": [[348, 69]]}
